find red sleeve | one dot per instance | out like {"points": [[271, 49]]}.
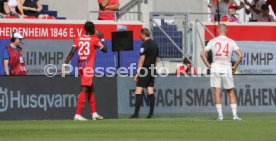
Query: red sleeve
{"points": [[224, 19], [97, 43]]}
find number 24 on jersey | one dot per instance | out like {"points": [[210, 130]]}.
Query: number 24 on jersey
{"points": [[222, 50]]}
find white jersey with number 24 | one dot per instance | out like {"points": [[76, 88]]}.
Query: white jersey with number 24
{"points": [[222, 48]]}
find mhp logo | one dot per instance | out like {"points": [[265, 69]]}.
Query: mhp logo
{"points": [[257, 59]]}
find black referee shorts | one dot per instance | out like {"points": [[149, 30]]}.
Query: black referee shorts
{"points": [[145, 80]]}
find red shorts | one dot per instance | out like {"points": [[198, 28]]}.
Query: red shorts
{"points": [[86, 80]]}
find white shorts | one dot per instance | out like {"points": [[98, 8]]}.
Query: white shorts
{"points": [[221, 78], [12, 3]]}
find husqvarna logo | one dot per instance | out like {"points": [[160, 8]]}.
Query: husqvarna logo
{"points": [[3, 100], [17, 100]]}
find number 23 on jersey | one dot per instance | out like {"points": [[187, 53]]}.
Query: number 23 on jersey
{"points": [[84, 48]]}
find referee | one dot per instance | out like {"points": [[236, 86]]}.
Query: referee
{"points": [[146, 72]]}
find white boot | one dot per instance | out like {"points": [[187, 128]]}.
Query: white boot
{"points": [[237, 118], [96, 116], [79, 118]]}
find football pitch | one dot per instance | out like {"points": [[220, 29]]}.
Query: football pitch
{"points": [[258, 128]]}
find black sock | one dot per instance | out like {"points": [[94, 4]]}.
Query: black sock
{"points": [[151, 103], [138, 100]]}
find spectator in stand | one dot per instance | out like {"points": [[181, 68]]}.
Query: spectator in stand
{"points": [[186, 68], [33, 8], [231, 14], [223, 7], [273, 5], [254, 9], [16, 7], [107, 9], [4, 8], [265, 17]]}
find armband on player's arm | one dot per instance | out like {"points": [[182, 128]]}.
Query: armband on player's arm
{"points": [[103, 48]]}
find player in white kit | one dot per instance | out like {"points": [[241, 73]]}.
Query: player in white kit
{"points": [[221, 69]]}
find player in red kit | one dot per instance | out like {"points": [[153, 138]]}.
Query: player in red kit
{"points": [[86, 46]]}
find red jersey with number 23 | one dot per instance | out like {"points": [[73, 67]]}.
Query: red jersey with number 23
{"points": [[86, 46], [222, 48]]}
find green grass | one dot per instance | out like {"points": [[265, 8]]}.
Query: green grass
{"points": [[159, 129]]}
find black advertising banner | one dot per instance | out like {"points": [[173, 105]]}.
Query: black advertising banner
{"points": [[177, 95], [40, 97]]}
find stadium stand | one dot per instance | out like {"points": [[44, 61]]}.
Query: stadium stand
{"points": [[51, 13], [167, 49]]}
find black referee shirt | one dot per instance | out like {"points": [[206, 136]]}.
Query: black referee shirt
{"points": [[150, 49]]}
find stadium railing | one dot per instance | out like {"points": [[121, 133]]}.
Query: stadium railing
{"points": [[173, 31], [128, 16], [184, 34]]}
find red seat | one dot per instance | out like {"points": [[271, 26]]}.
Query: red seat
{"points": [[10, 17], [48, 18], [29, 17]]}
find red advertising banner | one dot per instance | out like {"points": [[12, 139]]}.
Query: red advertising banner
{"points": [[246, 32], [59, 31]]}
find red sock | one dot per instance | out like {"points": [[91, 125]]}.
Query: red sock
{"points": [[92, 102], [81, 102]]}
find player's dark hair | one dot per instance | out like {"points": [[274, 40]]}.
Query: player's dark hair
{"points": [[145, 31], [89, 28]]}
